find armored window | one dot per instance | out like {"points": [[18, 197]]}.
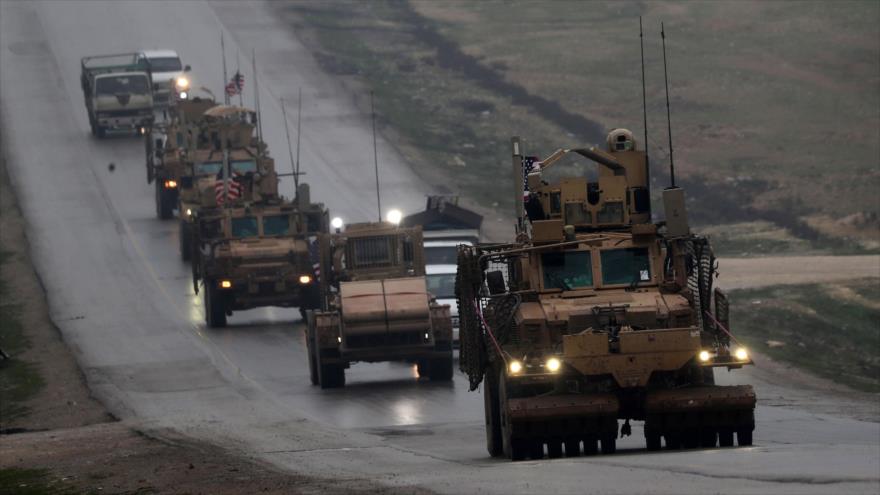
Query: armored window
{"points": [[555, 201], [244, 166], [441, 285], [208, 168], [441, 255], [121, 84], [244, 227], [610, 213], [625, 266], [370, 252], [276, 225], [567, 270], [165, 64]]}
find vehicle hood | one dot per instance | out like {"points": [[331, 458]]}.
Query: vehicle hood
{"points": [[123, 101], [645, 309], [164, 78]]}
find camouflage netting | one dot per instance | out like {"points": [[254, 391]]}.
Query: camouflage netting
{"points": [[468, 279], [700, 278]]}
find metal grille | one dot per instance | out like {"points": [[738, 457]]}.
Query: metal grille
{"points": [[371, 252]]}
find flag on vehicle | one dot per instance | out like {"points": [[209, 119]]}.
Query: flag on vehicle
{"points": [[235, 85], [233, 188], [529, 164]]}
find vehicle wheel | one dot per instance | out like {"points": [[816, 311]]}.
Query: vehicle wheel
{"points": [[708, 438], [185, 241], [691, 439], [93, 126], [609, 443], [572, 447], [440, 369], [100, 132], [515, 449], [744, 438], [673, 441], [536, 450], [310, 348], [215, 312], [554, 449], [725, 438], [652, 440], [330, 375], [590, 445], [164, 208], [493, 419]]}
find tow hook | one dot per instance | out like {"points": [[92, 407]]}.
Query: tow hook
{"points": [[625, 429]]}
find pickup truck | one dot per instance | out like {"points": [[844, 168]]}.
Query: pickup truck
{"points": [[168, 75], [118, 92]]}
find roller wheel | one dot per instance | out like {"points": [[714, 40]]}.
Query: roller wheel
{"points": [[673, 441], [591, 445], [494, 442], [554, 449], [708, 438], [691, 439], [609, 444], [744, 437], [215, 310], [725, 438], [653, 441], [572, 447], [536, 450]]}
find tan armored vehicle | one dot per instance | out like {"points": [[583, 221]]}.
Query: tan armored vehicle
{"points": [[169, 147], [376, 305], [595, 314], [255, 255]]}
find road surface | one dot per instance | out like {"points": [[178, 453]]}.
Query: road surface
{"points": [[125, 305]]}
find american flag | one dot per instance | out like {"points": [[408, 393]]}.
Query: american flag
{"points": [[235, 85], [529, 164], [233, 190]]}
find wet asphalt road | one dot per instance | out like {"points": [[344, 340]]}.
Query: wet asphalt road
{"points": [[124, 300]]}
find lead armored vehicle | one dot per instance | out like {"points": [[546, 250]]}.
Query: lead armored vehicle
{"points": [[594, 315], [376, 305]]}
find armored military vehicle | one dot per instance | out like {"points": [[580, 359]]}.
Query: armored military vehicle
{"points": [[376, 305], [594, 314], [170, 146]]}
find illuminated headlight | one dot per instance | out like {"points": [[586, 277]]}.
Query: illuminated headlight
{"points": [[170, 184], [741, 354], [339, 339], [704, 356], [394, 216], [189, 212], [514, 367], [552, 365], [305, 279], [182, 95], [226, 284], [182, 83]]}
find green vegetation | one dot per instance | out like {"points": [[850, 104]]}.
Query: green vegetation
{"points": [[19, 380], [767, 96], [832, 330], [28, 482]]}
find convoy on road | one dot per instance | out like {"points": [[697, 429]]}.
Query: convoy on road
{"points": [[589, 315]]}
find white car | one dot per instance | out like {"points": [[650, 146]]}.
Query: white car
{"points": [[443, 252], [169, 75], [441, 284]]}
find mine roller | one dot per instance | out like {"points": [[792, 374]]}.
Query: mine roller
{"points": [[594, 314]]}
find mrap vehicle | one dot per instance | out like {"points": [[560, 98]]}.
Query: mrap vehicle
{"points": [[594, 314]]}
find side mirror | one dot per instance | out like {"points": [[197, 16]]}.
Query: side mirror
{"points": [[495, 281], [187, 68]]}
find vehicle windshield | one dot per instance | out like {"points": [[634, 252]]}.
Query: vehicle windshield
{"points": [[567, 270], [244, 166], [208, 168], [121, 84], [441, 255], [244, 227], [276, 225], [165, 64], [625, 266], [442, 285]]}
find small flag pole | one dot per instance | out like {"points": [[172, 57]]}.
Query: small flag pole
{"points": [[375, 157], [238, 78], [257, 98], [290, 151], [223, 53]]}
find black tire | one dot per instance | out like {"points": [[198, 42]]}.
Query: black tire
{"points": [[330, 375], [164, 208], [310, 346], [691, 439], [609, 443], [572, 447], [100, 132], [744, 438], [440, 369], [652, 440], [725, 438], [493, 415], [515, 449], [536, 450], [708, 438], [591, 445], [554, 449], [185, 241], [215, 310]]}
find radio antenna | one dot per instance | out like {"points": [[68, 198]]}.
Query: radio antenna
{"points": [[375, 156], [668, 119], [257, 100], [290, 150], [223, 54], [645, 115]]}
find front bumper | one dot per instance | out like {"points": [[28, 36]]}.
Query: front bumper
{"points": [[124, 121]]}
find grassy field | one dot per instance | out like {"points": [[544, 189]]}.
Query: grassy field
{"points": [[832, 330], [19, 380], [776, 108]]}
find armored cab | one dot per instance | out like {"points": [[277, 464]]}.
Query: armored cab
{"points": [[376, 305], [594, 315]]}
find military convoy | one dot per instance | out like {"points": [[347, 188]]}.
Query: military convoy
{"points": [[595, 314], [376, 305]]}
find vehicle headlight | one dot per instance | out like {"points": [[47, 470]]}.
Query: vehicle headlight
{"points": [[189, 212], [552, 365], [226, 284], [170, 184], [305, 279], [741, 354], [182, 83], [182, 95], [514, 367], [704, 356]]}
